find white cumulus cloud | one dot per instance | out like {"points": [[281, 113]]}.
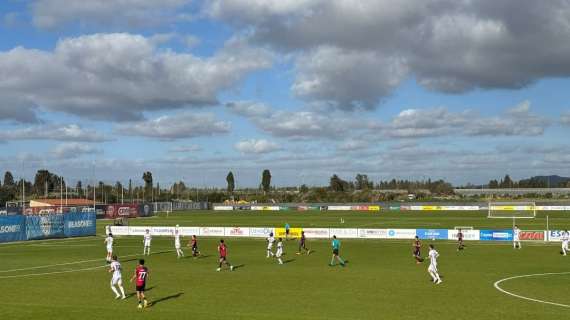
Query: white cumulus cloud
{"points": [[256, 146]]}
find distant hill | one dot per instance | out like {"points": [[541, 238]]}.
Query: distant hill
{"points": [[553, 181]]}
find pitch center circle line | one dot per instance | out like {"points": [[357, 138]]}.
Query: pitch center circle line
{"points": [[498, 287]]}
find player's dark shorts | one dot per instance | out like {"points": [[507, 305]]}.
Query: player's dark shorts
{"points": [[286, 231], [194, 248], [141, 288], [302, 244], [417, 252], [222, 258], [335, 252]]}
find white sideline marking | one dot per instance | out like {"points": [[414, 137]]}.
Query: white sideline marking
{"points": [[58, 265], [527, 298], [49, 273]]}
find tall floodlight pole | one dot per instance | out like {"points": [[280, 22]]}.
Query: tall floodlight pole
{"points": [[60, 192], [93, 175], [23, 190]]}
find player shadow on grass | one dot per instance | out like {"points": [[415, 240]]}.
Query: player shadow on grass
{"points": [[288, 261], [132, 294], [172, 296], [200, 257], [239, 266]]}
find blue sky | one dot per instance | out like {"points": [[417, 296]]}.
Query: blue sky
{"points": [[306, 88]]}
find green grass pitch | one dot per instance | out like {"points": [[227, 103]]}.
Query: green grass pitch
{"points": [[67, 279]]}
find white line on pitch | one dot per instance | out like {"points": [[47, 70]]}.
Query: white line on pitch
{"points": [[496, 285]]}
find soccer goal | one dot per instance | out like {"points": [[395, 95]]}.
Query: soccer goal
{"points": [[512, 210], [162, 207]]}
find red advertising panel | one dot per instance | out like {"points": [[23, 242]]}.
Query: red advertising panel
{"points": [[121, 210], [531, 235]]}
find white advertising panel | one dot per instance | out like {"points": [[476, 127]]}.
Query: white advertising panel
{"points": [[322, 233], [223, 208], [162, 231], [468, 235], [401, 233], [339, 208], [118, 230], [555, 235], [553, 208], [236, 232], [137, 231], [212, 231], [260, 232], [373, 233], [189, 231], [344, 233]]}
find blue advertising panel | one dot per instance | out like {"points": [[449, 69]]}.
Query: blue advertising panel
{"points": [[12, 228], [45, 226], [496, 235], [434, 234], [79, 224]]}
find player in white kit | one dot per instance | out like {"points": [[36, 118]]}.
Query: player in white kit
{"points": [[279, 252], [117, 279], [516, 239], [432, 269], [147, 239], [109, 242], [177, 245], [564, 237], [270, 242]]}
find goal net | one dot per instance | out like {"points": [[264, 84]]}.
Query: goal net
{"points": [[162, 207], [512, 210]]}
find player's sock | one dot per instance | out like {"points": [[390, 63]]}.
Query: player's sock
{"points": [[122, 291], [115, 291], [280, 261], [332, 261]]}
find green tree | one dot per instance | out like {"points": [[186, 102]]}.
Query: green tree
{"points": [[361, 182], [266, 180], [42, 183], [337, 184], [231, 182], [9, 179], [79, 188], [130, 190], [147, 177]]}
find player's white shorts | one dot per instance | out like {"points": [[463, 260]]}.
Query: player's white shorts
{"points": [[516, 239], [565, 244], [432, 268], [116, 280], [177, 245], [279, 253], [269, 246], [147, 243], [109, 249]]}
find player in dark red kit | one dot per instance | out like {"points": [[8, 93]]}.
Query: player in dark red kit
{"points": [[416, 249], [223, 250], [194, 244], [460, 245], [141, 276]]}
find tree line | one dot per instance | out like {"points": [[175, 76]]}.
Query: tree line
{"points": [[534, 182]]}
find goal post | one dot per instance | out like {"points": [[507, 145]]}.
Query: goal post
{"points": [[162, 207], [512, 210]]}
